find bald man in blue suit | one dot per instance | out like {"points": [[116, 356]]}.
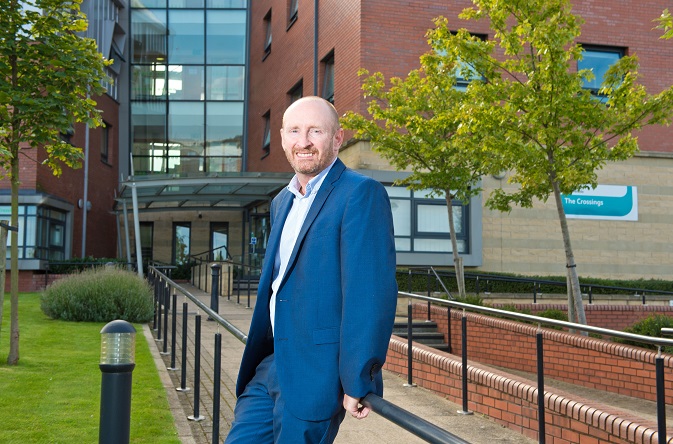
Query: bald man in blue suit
{"points": [[327, 294]]}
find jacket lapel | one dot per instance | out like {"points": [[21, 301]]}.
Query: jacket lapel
{"points": [[278, 216], [325, 190]]}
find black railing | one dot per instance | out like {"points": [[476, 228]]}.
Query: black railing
{"points": [[165, 294], [483, 283], [655, 341]]}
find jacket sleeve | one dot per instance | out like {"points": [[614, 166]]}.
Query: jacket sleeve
{"points": [[369, 288]]}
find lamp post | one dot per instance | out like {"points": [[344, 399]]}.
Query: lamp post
{"points": [[117, 361]]}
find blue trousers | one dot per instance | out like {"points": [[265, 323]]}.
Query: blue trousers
{"points": [[260, 416]]}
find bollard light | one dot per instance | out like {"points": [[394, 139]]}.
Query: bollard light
{"points": [[118, 344], [117, 361]]}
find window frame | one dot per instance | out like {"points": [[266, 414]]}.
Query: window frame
{"points": [[296, 92], [105, 143], [268, 37], [266, 136], [292, 12], [620, 51], [328, 71]]}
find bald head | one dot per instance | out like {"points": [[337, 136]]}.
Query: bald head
{"points": [[330, 112]]}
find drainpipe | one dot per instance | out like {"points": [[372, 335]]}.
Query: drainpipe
{"points": [[315, 47]]}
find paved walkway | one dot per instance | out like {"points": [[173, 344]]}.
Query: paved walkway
{"points": [[475, 429]]}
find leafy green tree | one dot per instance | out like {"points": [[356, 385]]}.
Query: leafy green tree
{"points": [[415, 124], [552, 133], [524, 108], [48, 74]]}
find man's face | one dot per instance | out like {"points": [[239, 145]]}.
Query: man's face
{"points": [[310, 138]]}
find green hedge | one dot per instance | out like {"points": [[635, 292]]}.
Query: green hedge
{"points": [[77, 264], [420, 282], [100, 294]]}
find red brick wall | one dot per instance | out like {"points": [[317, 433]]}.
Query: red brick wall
{"points": [[594, 363], [512, 401]]}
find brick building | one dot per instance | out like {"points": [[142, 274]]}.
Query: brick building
{"points": [[290, 56], [192, 124]]}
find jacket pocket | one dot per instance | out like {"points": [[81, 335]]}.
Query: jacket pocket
{"points": [[326, 335]]}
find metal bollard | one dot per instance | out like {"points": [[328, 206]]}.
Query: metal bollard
{"points": [[214, 290], [117, 362]]}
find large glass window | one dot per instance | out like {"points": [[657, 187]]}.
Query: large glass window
{"points": [[422, 222], [188, 84], [598, 60], [42, 232]]}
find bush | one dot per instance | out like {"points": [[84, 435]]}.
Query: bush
{"points": [[101, 294], [78, 264], [650, 326]]}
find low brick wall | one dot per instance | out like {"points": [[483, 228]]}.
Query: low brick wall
{"points": [[512, 401]]}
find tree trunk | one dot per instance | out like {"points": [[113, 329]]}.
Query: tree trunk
{"points": [[457, 260], [13, 357], [576, 293]]}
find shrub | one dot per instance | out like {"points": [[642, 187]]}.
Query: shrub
{"points": [[101, 294], [650, 326]]}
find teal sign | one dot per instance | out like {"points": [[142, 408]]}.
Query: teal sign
{"points": [[605, 202]]}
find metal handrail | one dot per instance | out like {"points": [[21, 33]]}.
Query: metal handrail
{"points": [[441, 283], [386, 409], [659, 342]]}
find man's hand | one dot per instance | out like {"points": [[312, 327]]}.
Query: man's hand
{"points": [[352, 406]]}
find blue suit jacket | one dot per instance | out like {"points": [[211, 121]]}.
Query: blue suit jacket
{"points": [[335, 307]]}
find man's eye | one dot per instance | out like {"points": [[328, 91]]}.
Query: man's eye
{"points": [[316, 131]]}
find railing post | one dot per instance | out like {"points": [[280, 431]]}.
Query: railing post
{"points": [[214, 290], [534, 293], [249, 285], [156, 303], [183, 374], [540, 388], [197, 371], [229, 282], [465, 410], [409, 282], [217, 365], [476, 285], [160, 295], [410, 345], [166, 298], [173, 331], [661, 399], [591, 295], [448, 334]]}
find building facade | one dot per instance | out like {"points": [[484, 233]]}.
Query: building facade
{"points": [[190, 156], [316, 48]]}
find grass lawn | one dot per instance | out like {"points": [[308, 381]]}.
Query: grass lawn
{"points": [[53, 395]]}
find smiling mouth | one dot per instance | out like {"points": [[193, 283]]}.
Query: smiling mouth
{"points": [[304, 155]]}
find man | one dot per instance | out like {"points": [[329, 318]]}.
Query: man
{"points": [[327, 294]]}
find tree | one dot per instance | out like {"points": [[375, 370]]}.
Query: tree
{"points": [[552, 133], [415, 125], [48, 73]]}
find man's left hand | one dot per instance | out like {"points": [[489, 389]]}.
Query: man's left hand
{"points": [[353, 406]]}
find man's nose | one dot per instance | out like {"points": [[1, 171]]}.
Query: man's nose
{"points": [[303, 140]]}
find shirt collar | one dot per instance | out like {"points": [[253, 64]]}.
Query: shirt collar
{"points": [[312, 186]]}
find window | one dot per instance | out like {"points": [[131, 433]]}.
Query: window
{"points": [[266, 140], [328, 78], [422, 223], [181, 242], [219, 241], [146, 240], [466, 73], [268, 38], [296, 92], [42, 232], [293, 9], [105, 143], [598, 60]]}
